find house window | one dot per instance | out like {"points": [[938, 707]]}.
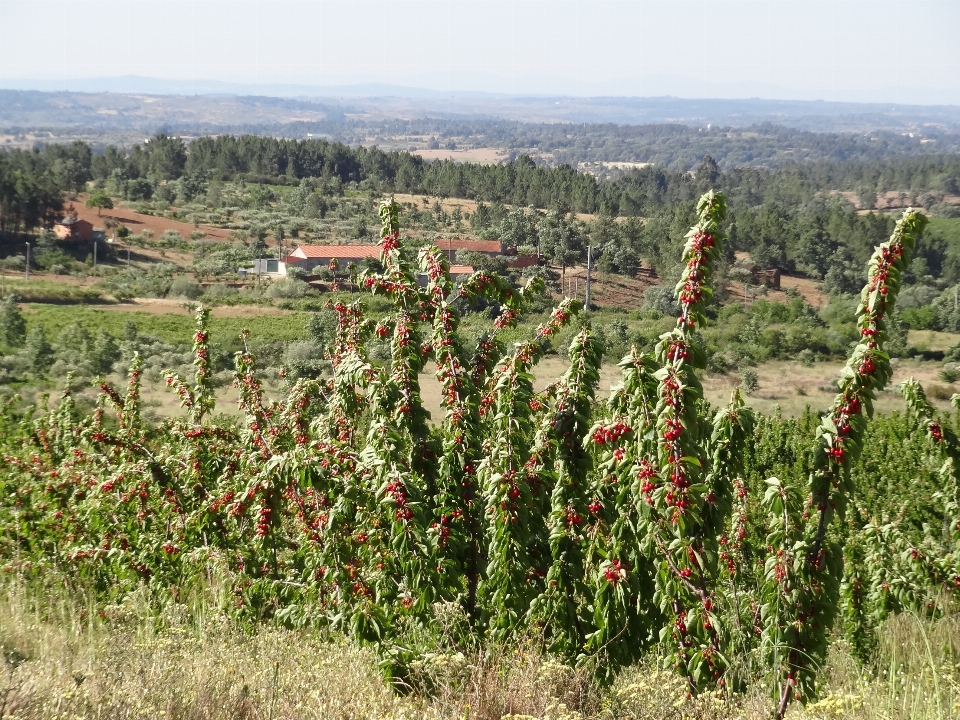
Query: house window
{"points": [[273, 266]]}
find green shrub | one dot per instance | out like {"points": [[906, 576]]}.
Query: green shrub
{"points": [[749, 381], [13, 328], [185, 287], [921, 318], [287, 289]]}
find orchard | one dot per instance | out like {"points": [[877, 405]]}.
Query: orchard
{"points": [[602, 529]]}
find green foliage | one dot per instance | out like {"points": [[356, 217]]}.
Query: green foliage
{"points": [[38, 351], [13, 328], [185, 287], [602, 530], [100, 200]]}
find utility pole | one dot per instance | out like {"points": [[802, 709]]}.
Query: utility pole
{"points": [[27, 275], [94, 254], [586, 297], [746, 298], [113, 241]]}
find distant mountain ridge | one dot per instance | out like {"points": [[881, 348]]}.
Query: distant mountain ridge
{"points": [[205, 105], [136, 84]]}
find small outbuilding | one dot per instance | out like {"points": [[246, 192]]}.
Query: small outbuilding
{"points": [[73, 228], [267, 267], [769, 278]]}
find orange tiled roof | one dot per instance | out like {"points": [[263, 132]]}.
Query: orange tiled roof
{"points": [[341, 252], [373, 251], [483, 246]]}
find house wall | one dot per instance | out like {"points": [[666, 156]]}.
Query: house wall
{"points": [[80, 230], [268, 266], [313, 263]]}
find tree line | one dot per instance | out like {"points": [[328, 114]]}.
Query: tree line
{"points": [[788, 217]]}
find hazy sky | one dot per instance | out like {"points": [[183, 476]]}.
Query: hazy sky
{"points": [[900, 51]]}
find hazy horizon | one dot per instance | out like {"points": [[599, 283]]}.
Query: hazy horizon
{"points": [[846, 51]]}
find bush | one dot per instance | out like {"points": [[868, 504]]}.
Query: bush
{"points": [[185, 287], [297, 273], [170, 238], [13, 328], [287, 289], [939, 392], [923, 318], [949, 374], [220, 293], [944, 210], [139, 189], [749, 382], [917, 296], [304, 359], [38, 352], [661, 299]]}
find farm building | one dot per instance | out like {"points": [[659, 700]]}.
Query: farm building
{"points": [[758, 275], [310, 257], [770, 278], [492, 248], [267, 267], [73, 228], [484, 247], [318, 257], [457, 273]]}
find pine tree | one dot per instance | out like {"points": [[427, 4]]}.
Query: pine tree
{"points": [[103, 353], [13, 328], [39, 351]]}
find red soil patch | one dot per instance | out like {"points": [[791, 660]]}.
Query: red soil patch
{"points": [[138, 223], [614, 291], [807, 288]]}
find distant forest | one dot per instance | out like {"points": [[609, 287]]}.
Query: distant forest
{"points": [[679, 144], [790, 217], [669, 145], [42, 172]]}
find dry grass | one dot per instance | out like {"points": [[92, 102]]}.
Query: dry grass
{"points": [[931, 339], [64, 662], [207, 670], [791, 386], [483, 155], [448, 204], [787, 386]]}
